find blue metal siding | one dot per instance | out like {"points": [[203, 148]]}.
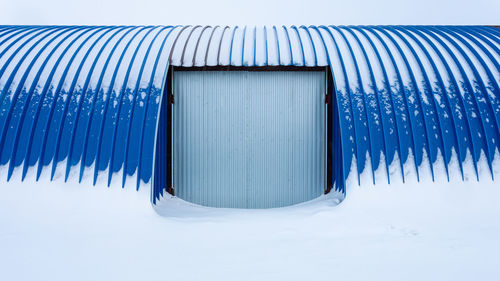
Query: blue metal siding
{"points": [[90, 96], [249, 139]]}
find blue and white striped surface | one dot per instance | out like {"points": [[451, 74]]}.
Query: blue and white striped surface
{"points": [[90, 96]]}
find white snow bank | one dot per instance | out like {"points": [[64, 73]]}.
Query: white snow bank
{"points": [[56, 231]]}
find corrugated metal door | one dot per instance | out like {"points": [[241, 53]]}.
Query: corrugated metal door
{"points": [[249, 139]]}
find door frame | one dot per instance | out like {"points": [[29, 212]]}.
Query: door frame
{"points": [[330, 111]]}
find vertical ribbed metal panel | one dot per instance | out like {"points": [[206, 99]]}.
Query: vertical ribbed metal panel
{"points": [[249, 139]]}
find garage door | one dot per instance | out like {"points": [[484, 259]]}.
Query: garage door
{"points": [[249, 139]]}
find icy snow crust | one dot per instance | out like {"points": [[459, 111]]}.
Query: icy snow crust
{"points": [[414, 102]]}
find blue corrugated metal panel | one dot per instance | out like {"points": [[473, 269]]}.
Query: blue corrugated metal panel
{"points": [[90, 96], [249, 139]]}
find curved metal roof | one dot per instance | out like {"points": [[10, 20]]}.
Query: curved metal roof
{"points": [[247, 46], [90, 94]]}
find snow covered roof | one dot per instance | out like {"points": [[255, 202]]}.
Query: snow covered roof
{"points": [[90, 95], [247, 46]]}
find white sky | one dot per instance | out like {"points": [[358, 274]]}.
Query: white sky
{"points": [[256, 12]]}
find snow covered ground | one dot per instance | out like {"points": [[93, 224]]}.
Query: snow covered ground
{"points": [[56, 231]]}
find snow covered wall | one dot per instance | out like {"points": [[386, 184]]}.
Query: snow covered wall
{"points": [[88, 98]]}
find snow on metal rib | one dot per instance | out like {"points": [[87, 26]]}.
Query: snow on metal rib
{"points": [[378, 138], [474, 86]]}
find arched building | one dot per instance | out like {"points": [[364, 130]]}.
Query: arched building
{"points": [[245, 116]]}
